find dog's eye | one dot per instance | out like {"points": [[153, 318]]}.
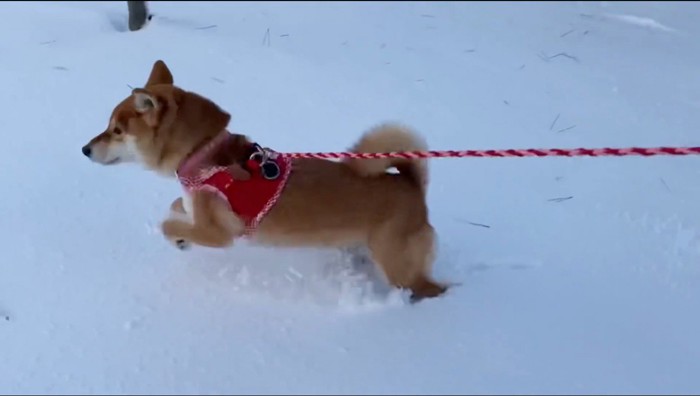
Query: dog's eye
{"points": [[117, 131]]}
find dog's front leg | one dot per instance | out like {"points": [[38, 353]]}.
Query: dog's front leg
{"points": [[178, 212], [212, 223]]}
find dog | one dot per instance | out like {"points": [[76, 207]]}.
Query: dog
{"points": [[375, 204]]}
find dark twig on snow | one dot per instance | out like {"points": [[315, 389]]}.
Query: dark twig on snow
{"points": [[566, 129], [562, 199], [218, 80], [564, 54], [665, 185], [427, 16], [47, 42], [266, 38], [62, 68], [506, 102], [521, 67], [130, 87], [469, 51], [567, 33], [547, 58], [205, 27], [473, 223], [284, 35], [554, 122]]}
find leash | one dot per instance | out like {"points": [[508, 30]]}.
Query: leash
{"points": [[576, 152]]}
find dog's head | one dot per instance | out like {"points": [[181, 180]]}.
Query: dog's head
{"points": [[157, 125]]}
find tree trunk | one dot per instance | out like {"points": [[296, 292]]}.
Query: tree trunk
{"points": [[138, 14]]}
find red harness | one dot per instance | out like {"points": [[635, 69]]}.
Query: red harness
{"points": [[249, 199]]}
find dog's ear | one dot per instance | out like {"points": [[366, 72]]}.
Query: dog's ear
{"points": [[160, 74], [144, 101], [148, 105]]}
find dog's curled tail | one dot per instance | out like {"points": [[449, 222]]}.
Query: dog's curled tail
{"points": [[388, 138]]}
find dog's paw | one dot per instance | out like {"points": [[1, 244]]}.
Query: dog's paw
{"points": [[173, 233], [182, 244]]}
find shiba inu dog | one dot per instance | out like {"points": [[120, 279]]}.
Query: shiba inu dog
{"points": [[236, 188]]}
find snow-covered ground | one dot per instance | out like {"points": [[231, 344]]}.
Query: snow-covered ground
{"points": [[577, 275]]}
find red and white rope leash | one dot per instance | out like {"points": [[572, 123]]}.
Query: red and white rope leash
{"points": [[577, 152]]}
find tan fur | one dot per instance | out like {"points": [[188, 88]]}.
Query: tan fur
{"points": [[325, 203], [386, 138]]}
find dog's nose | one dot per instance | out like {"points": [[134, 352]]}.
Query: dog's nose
{"points": [[87, 151]]}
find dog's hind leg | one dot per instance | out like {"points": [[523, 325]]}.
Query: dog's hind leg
{"points": [[406, 259]]}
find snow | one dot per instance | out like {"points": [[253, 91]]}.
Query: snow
{"points": [[577, 275]]}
